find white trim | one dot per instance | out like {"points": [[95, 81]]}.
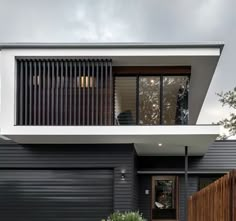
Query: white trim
{"points": [[116, 52], [114, 130], [182, 172]]}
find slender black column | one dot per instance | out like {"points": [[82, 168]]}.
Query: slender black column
{"points": [[186, 183]]}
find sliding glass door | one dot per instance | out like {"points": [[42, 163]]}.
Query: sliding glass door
{"points": [[151, 99], [175, 100]]}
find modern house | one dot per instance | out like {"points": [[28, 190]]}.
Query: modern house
{"points": [[88, 129]]}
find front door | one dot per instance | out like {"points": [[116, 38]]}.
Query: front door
{"points": [[164, 198]]}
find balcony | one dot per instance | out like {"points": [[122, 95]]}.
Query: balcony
{"points": [[70, 92]]}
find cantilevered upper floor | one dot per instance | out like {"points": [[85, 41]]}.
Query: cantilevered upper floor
{"points": [[58, 89]]}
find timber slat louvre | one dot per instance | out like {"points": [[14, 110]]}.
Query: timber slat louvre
{"points": [[57, 92], [48, 93], [52, 93], [39, 95], [110, 92], [30, 94], [97, 97], [64, 92], [61, 94], [79, 97], [26, 93], [215, 202], [75, 92], [21, 92], [71, 87], [34, 87], [101, 96], [88, 94], [83, 83], [43, 95]]}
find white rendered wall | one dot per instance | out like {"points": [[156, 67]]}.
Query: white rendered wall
{"points": [[120, 56]]}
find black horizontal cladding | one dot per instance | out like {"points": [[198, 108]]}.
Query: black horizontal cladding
{"points": [[64, 91], [221, 155], [144, 202], [115, 157], [193, 182], [61, 155], [58, 195]]}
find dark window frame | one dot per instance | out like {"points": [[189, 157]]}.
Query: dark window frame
{"points": [[146, 74]]}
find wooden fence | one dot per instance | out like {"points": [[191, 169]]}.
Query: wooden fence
{"points": [[216, 202]]}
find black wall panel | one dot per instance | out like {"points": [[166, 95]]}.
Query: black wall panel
{"points": [[74, 157], [193, 182], [144, 202], [60, 195]]}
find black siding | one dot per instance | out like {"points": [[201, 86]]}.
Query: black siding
{"points": [[56, 195], [135, 186], [192, 188], [115, 157], [221, 156], [145, 200]]}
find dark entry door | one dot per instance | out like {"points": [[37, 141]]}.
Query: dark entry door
{"points": [[56, 195]]}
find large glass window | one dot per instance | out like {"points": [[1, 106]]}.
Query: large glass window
{"points": [[175, 99], [149, 100], [125, 100], [164, 198]]}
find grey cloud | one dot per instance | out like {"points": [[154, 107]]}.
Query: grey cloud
{"points": [[129, 20]]}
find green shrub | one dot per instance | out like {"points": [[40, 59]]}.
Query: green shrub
{"points": [[125, 216]]}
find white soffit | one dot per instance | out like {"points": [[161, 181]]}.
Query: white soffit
{"points": [[145, 138]]}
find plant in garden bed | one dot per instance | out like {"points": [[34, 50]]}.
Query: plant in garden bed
{"points": [[125, 216]]}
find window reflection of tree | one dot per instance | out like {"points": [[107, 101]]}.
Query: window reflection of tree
{"points": [[149, 98], [175, 100], [164, 193], [175, 106]]}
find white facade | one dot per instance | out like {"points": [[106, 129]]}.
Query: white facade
{"points": [[202, 59]]}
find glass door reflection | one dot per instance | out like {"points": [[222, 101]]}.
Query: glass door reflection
{"points": [[164, 198]]}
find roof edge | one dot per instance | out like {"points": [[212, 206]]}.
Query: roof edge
{"points": [[31, 45]]}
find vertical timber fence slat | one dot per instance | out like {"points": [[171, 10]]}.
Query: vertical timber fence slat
{"points": [[215, 202]]}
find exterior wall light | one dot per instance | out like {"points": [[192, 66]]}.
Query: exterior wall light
{"points": [[122, 176]]}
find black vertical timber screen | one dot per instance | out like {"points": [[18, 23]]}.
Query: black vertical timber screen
{"points": [[64, 92]]}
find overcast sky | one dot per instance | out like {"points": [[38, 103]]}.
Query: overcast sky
{"points": [[130, 21]]}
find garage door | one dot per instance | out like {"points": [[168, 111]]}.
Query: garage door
{"points": [[41, 195]]}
